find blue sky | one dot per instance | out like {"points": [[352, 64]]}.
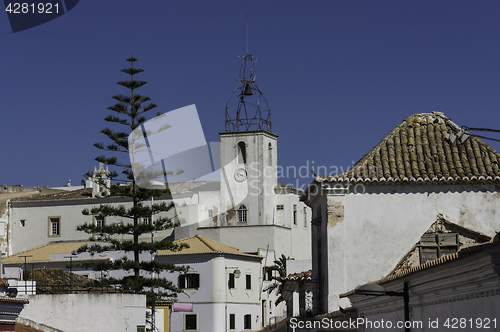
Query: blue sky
{"points": [[338, 75]]}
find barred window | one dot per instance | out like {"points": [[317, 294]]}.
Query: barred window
{"points": [[242, 213], [99, 221], [54, 226]]}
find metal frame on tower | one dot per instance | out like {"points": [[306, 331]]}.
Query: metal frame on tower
{"points": [[247, 109]]}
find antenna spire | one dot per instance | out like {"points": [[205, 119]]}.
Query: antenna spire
{"points": [[246, 16]]}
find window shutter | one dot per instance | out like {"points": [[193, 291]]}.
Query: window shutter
{"points": [[182, 281], [196, 281]]}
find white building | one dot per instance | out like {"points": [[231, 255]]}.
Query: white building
{"points": [[223, 287], [456, 291], [368, 218]]}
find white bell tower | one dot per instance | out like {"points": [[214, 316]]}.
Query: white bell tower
{"points": [[248, 155]]}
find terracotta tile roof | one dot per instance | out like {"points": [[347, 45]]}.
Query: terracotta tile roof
{"points": [[13, 300], [202, 245], [42, 253], [425, 147], [62, 195], [86, 193], [305, 275], [25, 328]]}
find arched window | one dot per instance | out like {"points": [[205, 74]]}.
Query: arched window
{"points": [[242, 153], [242, 213], [270, 154]]}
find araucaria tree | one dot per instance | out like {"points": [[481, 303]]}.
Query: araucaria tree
{"points": [[135, 218]]}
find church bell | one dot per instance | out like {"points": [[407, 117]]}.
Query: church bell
{"points": [[248, 90]]}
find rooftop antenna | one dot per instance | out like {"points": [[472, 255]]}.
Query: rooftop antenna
{"points": [[246, 16]]}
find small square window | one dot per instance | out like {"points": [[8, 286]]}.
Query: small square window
{"points": [[190, 322], [99, 221], [23, 223], [210, 213]]}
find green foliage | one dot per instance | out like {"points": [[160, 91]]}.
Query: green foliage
{"points": [[278, 282], [124, 236]]}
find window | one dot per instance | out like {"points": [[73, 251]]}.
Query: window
{"points": [[231, 280], [99, 221], [190, 322], [141, 328], [145, 220], [247, 322], [434, 245], [270, 154], [305, 216], [248, 281], [242, 153], [223, 217], [268, 273], [54, 226], [232, 321], [190, 280], [242, 213], [210, 213], [280, 215], [295, 214], [23, 223]]}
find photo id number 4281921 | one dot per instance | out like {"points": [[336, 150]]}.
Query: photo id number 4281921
{"points": [[32, 8]]}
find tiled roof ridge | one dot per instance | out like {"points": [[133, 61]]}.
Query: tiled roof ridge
{"points": [[439, 261], [440, 218], [13, 300], [425, 147], [205, 242], [68, 195]]}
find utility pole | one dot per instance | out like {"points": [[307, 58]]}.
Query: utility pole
{"points": [[24, 273]]}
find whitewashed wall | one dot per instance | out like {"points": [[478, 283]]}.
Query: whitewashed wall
{"points": [[87, 312], [210, 299], [366, 234]]}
